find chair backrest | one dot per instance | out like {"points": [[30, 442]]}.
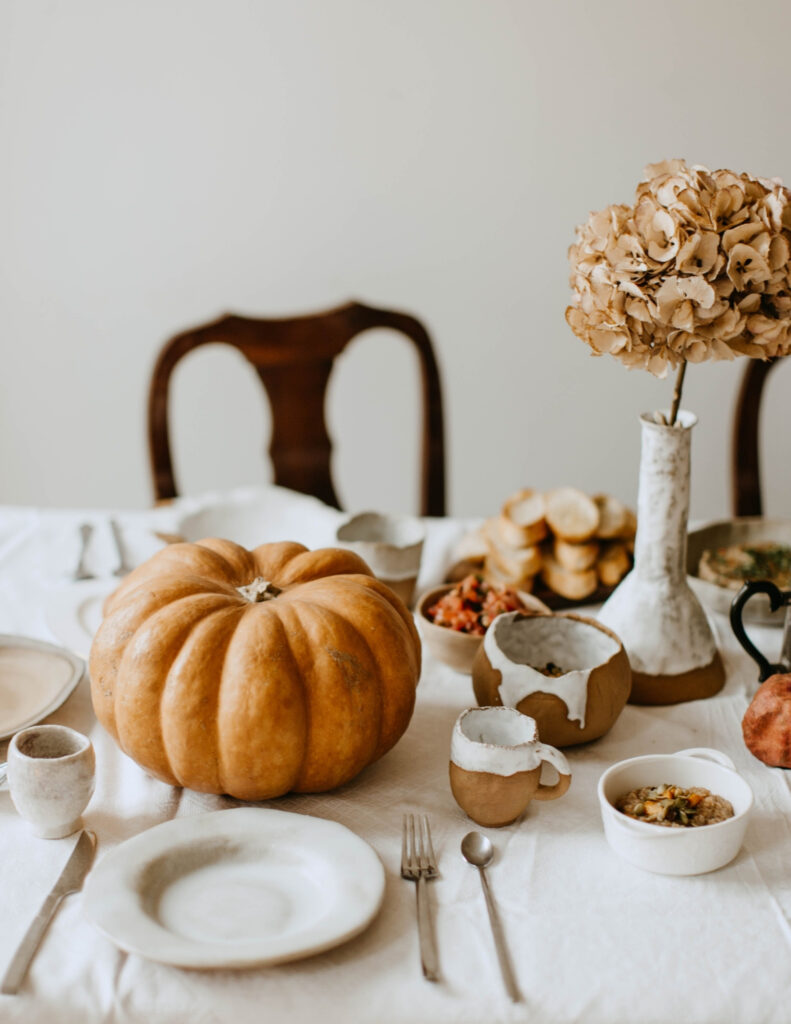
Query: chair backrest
{"points": [[746, 470], [294, 357]]}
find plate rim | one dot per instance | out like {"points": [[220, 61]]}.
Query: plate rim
{"points": [[78, 670], [108, 895]]}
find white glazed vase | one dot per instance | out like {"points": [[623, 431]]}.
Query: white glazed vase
{"points": [[659, 619]]}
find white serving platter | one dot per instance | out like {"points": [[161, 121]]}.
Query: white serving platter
{"points": [[236, 888], [261, 516], [35, 679]]}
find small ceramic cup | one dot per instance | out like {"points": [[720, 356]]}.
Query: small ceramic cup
{"points": [[51, 778], [391, 545], [495, 765]]}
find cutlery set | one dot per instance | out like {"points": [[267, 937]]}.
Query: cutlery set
{"points": [[81, 571], [419, 863]]}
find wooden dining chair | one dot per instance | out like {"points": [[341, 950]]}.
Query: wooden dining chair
{"points": [[293, 358], [746, 469]]}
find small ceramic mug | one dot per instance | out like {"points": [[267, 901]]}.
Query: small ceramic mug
{"points": [[391, 545], [495, 765], [51, 778]]}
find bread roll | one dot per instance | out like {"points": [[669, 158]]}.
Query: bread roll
{"points": [[630, 526], [613, 564], [571, 515], [612, 516], [516, 565], [569, 584], [494, 575], [575, 556], [522, 521], [472, 547]]}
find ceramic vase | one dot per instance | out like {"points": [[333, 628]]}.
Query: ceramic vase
{"points": [[662, 624]]}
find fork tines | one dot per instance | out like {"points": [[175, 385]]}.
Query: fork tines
{"points": [[417, 849]]}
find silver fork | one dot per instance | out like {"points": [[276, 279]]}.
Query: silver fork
{"points": [[418, 863], [81, 573]]}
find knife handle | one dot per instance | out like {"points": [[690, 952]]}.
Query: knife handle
{"points": [[17, 969]]}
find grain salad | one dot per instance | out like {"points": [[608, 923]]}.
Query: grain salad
{"points": [[674, 807]]}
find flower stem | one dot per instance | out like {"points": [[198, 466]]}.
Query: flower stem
{"points": [[677, 392]]}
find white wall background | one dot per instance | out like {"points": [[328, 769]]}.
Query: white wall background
{"points": [[163, 161]]}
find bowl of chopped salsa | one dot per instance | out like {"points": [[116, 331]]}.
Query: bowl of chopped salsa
{"points": [[453, 618]]}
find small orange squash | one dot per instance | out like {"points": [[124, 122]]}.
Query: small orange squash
{"points": [[254, 673]]}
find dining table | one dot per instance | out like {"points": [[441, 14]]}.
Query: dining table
{"points": [[591, 937]]}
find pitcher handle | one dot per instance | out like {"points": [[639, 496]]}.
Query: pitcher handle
{"points": [[558, 761], [776, 600]]}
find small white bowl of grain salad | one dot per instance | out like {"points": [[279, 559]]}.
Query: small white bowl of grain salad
{"points": [[675, 814]]}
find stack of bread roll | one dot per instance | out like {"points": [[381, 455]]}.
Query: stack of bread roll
{"points": [[574, 543]]}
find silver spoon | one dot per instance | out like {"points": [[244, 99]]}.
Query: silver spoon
{"points": [[478, 851], [123, 568]]}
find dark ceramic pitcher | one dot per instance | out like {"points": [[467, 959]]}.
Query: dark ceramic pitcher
{"points": [[777, 598]]}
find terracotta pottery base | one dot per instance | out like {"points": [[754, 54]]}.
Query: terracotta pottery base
{"points": [[696, 684], [492, 800]]}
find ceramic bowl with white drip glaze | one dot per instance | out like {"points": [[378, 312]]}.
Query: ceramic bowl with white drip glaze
{"points": [[590, 685]]}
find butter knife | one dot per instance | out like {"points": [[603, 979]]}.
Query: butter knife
{"points": [[71, 879]]}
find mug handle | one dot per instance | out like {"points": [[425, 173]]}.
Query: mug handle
{"points": [[776, 600], [558, 761]]}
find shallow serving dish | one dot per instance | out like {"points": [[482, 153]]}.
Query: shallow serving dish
{"points": [[236, 888], [457, 649], [35, 679], [723, 534], [253, 516], [675, 851]]}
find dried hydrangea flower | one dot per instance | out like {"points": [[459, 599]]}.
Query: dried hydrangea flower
{"points": [[699, 268]]}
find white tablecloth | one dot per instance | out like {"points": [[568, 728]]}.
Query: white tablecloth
{"points": [[593, 939]]}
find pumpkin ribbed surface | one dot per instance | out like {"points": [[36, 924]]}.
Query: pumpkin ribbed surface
{"points": [[211, 680]]}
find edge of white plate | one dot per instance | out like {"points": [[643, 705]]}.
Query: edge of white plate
{"points": [[103, 895], [78, 671]]}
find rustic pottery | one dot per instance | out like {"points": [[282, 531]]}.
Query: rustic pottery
{"points": [[495, 765], [661, 622], [778, 599], [51, 778], [391, 545], [454, 648], [567, 672]]}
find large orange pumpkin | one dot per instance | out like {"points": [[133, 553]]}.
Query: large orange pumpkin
{"points": [[254, 673]]}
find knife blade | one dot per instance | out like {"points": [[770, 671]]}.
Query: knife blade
{"points": [[71, 879]]}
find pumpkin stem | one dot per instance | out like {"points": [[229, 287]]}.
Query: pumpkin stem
{"points": [[259, 590]]}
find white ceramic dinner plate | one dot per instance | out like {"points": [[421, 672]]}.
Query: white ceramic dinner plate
{"points": [[35, 679], [74, 612], [236, 888]]}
